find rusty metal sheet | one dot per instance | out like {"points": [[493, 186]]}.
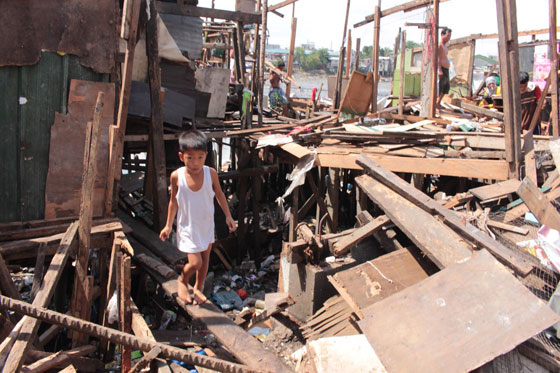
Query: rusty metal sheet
{"points": [[456, 320], [68, 134], [80, 27]]}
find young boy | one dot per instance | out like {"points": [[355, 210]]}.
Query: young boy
{"points": [[192, 199]]}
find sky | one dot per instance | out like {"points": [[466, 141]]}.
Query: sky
{"points": [[322, 21]]}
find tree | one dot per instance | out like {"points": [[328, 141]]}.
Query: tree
{"points": [[385, 52], [299, 55], [367, 50], [412, 44]]}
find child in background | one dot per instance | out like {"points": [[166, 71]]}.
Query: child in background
{"points": [[193, 188]]}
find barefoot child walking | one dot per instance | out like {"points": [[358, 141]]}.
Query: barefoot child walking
{"points": [[193, 188]]}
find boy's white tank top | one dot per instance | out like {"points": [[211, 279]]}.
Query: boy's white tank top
{"points": [[195, 214]]}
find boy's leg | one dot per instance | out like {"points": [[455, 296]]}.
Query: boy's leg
{"points": [[201, 276], [193, 265]]}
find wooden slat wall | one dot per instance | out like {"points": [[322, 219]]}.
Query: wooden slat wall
{"points": [[25, 129]]}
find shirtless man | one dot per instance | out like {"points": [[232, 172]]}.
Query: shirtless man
{"points": [[444, 65], [277, 97]]}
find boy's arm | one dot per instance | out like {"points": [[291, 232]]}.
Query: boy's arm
{"points": [[221, 198], [172, 208]]}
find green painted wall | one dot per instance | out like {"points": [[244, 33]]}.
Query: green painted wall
{"points": [[25, 129]]}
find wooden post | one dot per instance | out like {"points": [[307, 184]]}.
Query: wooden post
{"points": [[395, 49], [260, 97], [241, 52], [435, 60], [357, 59], [554, 68], [157, 145], [470, 71], [509, 76], [348, 53], [124, 308], [294, 218], [79, 294], [401, 73], [236, 59], [115, 162], [337, 92], [375, 56], [7, 285], [292, 47]]}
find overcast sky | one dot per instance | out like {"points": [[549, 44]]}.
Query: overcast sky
{"points": [[322, 21]]}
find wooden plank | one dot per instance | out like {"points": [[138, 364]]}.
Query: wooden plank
{"points": [[472, 168], [116, 146], [375, 56], [509, 74], [434, 60], [482, 111], [411, 5], [125, 315], [402, 73], [196, 11], [29, 326], [382, 277], [507, 227], [529, 154], [68, 135], [496, 190], [436, 240], [80, 289], [477, 307], [57, 359], [291, 51], [539, 204], [145, 360], [473, 234], [344, 245], [246, 348], [7, 286], [157, 146], [280, 5], [118, 337]]}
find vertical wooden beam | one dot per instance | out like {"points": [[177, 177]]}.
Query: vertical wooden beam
{"points": [[294, 218], [348, 53], [77, 338], [333, 186], [264, 14], [509, 76], [115, 162], [396, 48], [554, 68], [256, 189], [339, 71], [470, 70], [7, 286], [292, 47], [124, 309], [236, 58], [435, 60], [93, 133], [111, 284], [375, 55], [157, 145], [241, 52], [401, 73], [357, 59]]}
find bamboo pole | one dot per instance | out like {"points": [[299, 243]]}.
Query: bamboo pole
{"points": [[261, 59], [118, 337], [375, 56], [292, 47]]}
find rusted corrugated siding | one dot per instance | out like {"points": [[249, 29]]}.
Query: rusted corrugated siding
{"points": [[30, 97]]}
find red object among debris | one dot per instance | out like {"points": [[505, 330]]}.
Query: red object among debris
{"points": [[242, 293], [313, 93]]}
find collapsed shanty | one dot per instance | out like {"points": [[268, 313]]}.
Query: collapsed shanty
{"points": [[372, 234]]}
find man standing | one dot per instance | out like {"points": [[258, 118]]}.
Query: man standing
{"points": [[277, 97], [444, 65]]}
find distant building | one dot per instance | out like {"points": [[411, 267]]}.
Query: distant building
{"points": [[482, 62], [308, 46]]}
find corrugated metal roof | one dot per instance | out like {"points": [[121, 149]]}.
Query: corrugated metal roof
{"points": [[187, 32], [30, 97]]}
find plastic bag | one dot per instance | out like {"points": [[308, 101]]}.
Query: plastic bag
{"points": [[452, 72], [113, 309]]}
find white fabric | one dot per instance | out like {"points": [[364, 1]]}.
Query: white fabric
{"points": [[195, 214]]}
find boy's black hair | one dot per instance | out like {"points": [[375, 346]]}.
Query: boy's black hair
{"points": [[445, 31], [523, 77], [193, 140]]}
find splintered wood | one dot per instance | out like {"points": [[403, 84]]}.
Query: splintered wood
{"points": [[476, 307]]}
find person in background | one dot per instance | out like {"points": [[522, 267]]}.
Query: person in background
{"points": [[491, 89], [277, 97], [444, 65], [530, 95]]}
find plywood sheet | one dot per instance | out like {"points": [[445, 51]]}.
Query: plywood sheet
{"points": [[68, 134], [456, 320], [216, 82], [357, 96], [460, 55], [496, 190], [379, 278]]}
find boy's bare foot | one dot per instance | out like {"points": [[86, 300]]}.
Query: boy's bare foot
{"points": [[183, 291], [199, 297]]}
